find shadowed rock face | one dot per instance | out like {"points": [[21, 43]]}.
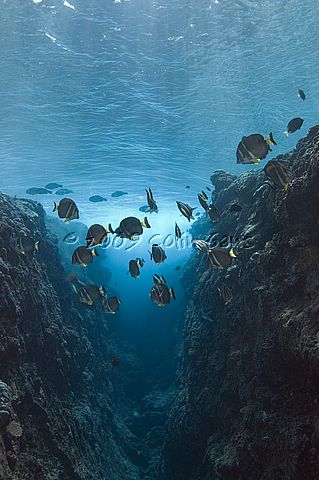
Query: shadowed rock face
{"points": [[247, 400], [57, 381]]}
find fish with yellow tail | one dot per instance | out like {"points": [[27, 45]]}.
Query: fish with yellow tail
{"points": [[67, 209], [97, 235], [130, 227], [135, 266], [83, 256], [254, 148], [278, 174], [218, 257], [160, 293], [111, 305]]}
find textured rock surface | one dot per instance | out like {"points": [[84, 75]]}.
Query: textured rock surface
{"points": [[57, 381], [247, 401]]}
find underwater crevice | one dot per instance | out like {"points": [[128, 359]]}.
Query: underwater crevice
{"points": [[247, 399]]}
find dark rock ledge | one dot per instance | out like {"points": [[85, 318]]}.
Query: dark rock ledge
{"points": [[247, 404]]}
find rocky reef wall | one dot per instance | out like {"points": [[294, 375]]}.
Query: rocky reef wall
{"points": [[248, 384], [59, 393]]}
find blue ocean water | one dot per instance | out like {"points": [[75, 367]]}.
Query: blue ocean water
{"points": [[105, 95]]}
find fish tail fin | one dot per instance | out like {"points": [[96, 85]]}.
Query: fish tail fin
{"points": [[55, 207], [286, 186], [109, 229], [95, 253], [36, 245], [145, 223], [67, 220], [172, 293], [286, 133], [270, 140], [83, 265], [232, 253]]}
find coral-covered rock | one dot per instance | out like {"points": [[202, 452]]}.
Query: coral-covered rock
{"points": [[58, 407], [247, 401]]}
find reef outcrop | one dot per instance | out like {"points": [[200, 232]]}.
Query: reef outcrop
{"points": [[248, 384], [60, 396]]}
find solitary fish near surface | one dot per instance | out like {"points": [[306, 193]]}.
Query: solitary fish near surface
{"points": [[97, 199], [37, 191], [254, 148], [294, 125], [301, 94]]}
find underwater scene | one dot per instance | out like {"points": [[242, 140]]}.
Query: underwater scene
{"points": [[159, 240]]}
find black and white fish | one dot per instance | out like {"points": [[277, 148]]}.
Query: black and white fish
{"points": [[186, 210]]}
